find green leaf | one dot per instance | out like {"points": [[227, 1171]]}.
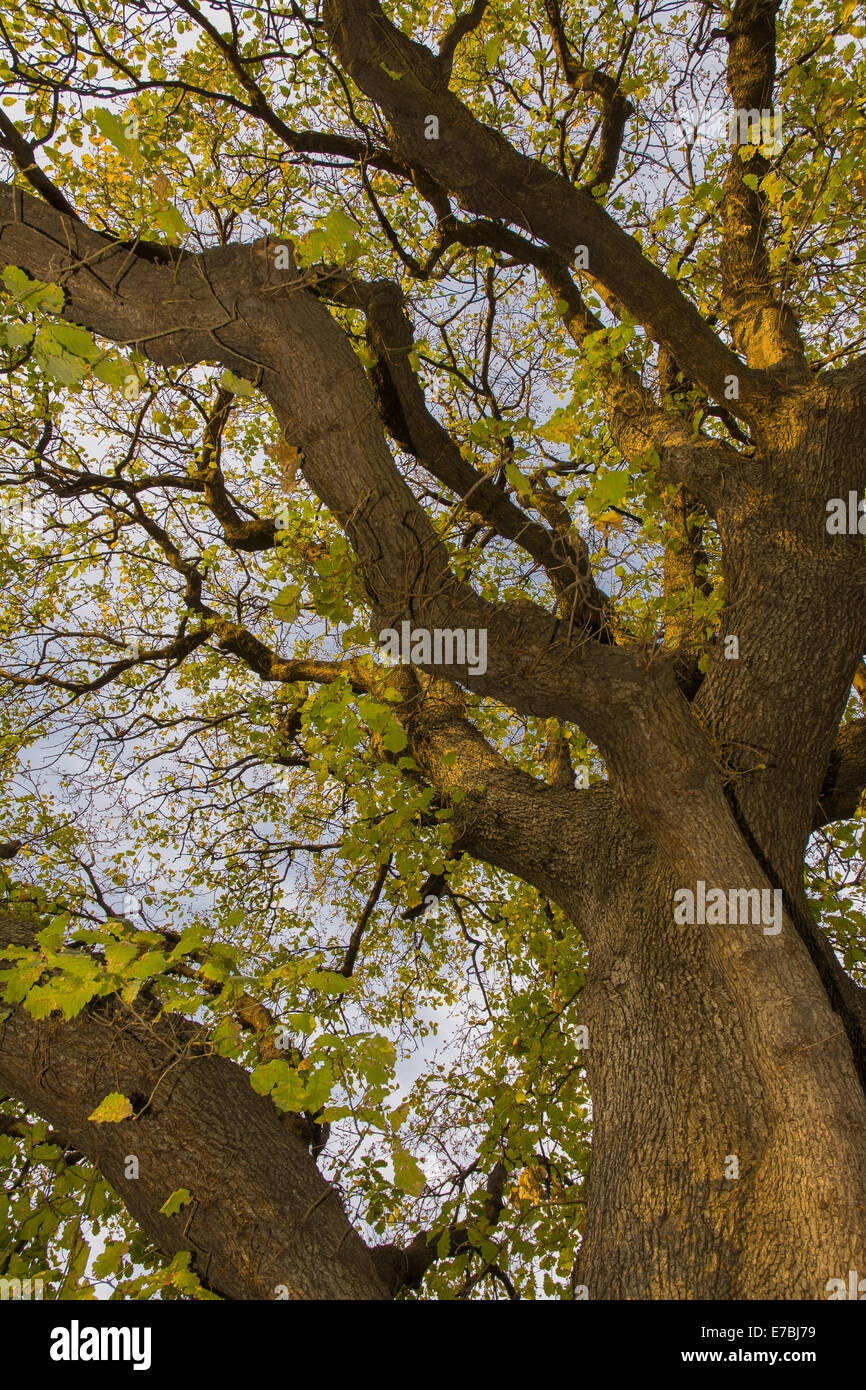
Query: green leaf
{"points": [[318, 1085], [75, 340], [110, 1260], [283, 1083], [169, 220], [341, 230], [264, 1078], [331, 1113], [215, 970], [56, 361], [517, 479], [610, 490], [15, 335], [150, 964], [50, 938], [408, 1174], [73, 995], [115, 372], [492, 49], [32, 295], [181, 1197], [237, 384], [375, 715], [337, 233], [286, 605], [20, 979], [399, 1114], [192, 939], [394, 737], [118, 954], [329, 982], [114, 1108], [113, 128]]}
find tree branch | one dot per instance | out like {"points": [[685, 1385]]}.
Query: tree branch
{"points": [[845, 781], [23, 156], [463, 25], [615, 107], [264, 1216], [492, 179], [764, 330], [358, 934], [406, 1267], [405, 413]]}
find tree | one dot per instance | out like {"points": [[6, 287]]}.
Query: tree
{"points": [[445, 617]]}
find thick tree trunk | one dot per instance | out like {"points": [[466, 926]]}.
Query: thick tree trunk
{"points": [[714, 1052]]}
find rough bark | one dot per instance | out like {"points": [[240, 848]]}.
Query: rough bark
{"points": [[262, 1215], [690, 1068]]}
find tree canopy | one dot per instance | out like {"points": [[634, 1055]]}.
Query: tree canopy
{"points": [[325, 320]]}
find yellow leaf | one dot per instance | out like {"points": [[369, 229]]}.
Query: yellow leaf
{"points": [[290, 459], [530, 1185], [115, 1107]]}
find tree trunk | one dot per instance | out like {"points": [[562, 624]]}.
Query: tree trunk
{"points": [[729, 1124]]}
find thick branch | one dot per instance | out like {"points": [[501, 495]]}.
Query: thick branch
{"points": [[492, 179], [262, 1217], [507, 817], [763, 329], [404, 409], [846, 776]]}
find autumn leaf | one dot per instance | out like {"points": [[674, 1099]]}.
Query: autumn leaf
{"points": [[610, 521], [114, 1108], [181, 1197], [530, 1185], [290, 460]]}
